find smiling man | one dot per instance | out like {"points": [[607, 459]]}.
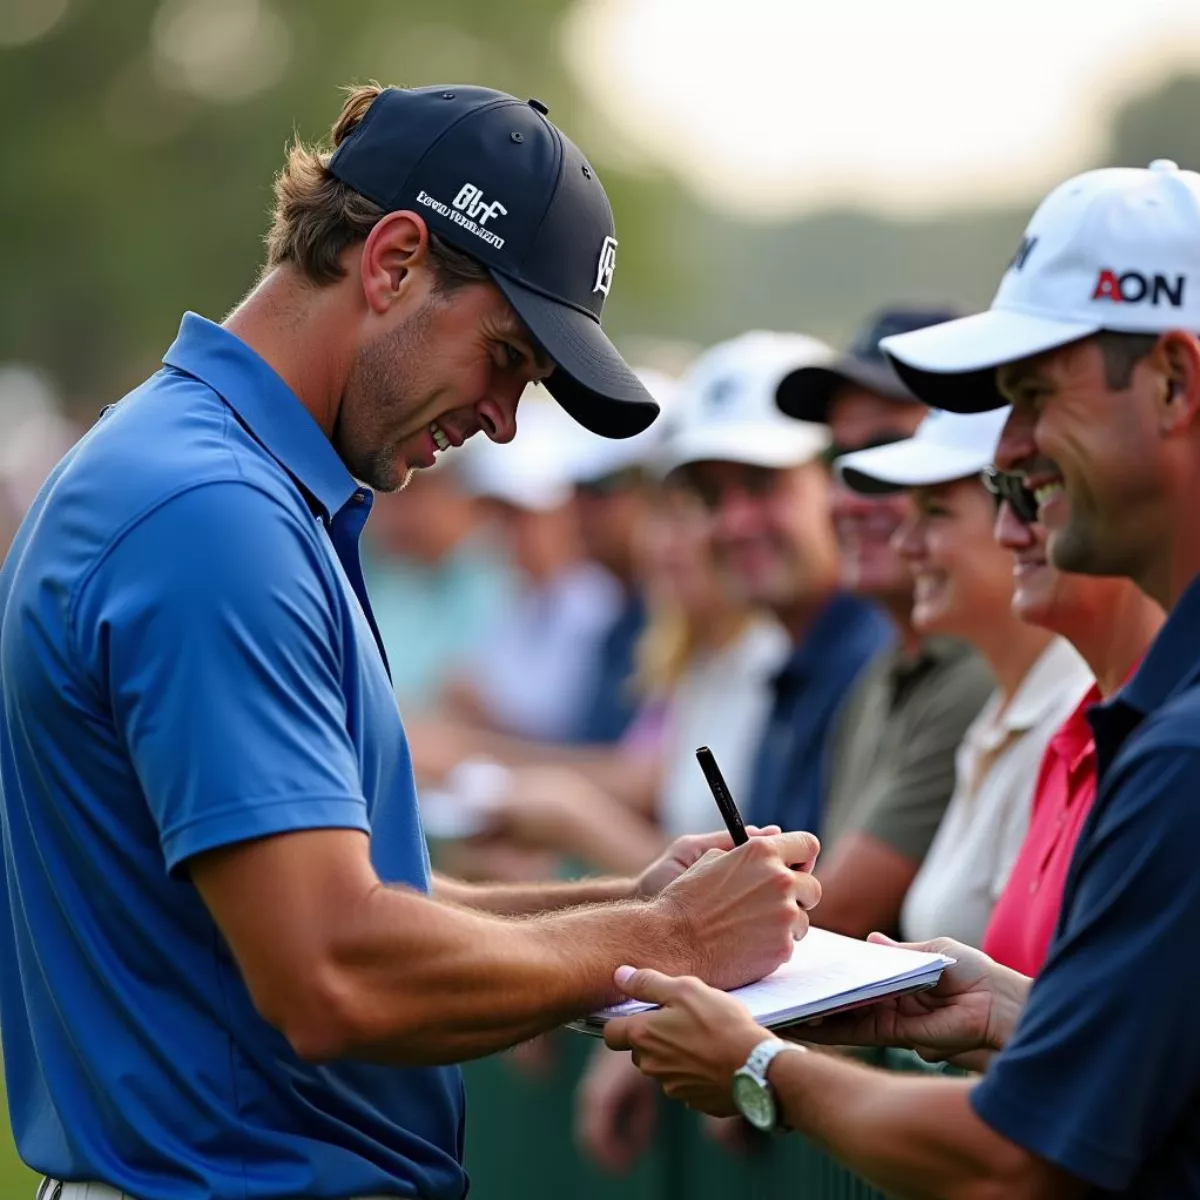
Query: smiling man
{"points": [[1093, 1083], [892, 755], [225, 975]]}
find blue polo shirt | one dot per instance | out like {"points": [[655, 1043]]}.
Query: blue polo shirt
{"points": [[188, 660], [791, 768], [1102, 1076]]}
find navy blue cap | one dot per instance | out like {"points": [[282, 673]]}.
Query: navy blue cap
{"points": [[807, 393], [493, 177]]}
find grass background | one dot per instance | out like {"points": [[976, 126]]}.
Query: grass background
{"points": [[17, 1182]]}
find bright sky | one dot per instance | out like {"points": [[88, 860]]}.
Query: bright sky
{"points": [[771, 107]]}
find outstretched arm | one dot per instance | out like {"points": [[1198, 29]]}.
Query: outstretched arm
{"points": [[912, 1136]]}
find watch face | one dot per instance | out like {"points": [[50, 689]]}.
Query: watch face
{"points": [[754, 1101]]}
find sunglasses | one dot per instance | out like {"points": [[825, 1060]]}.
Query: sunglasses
{"points": [[1005, 485]]}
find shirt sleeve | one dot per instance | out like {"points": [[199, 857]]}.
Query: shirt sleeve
{"points": [[1106, 1056], [212, 630], [912, 797]]}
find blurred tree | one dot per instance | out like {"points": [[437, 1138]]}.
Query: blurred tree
{"points": [[143, 135], [138, 178], [1159, 124]]}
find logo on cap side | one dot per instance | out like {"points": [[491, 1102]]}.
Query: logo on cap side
{"points": [[1131, 287], [455, 214], [605, 265], [1024, 250], [470, 200]]}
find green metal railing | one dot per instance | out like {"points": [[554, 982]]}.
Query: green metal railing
{"points": [[520, 1146]]}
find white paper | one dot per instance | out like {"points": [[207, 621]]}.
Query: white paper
{"points": [[826, 970]]}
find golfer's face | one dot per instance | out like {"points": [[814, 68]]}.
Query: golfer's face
{"points": [[1089, 453], [480, 358], [449, 366]]}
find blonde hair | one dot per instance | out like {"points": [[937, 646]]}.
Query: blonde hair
{"points": [[670, 643], [316, 216]]}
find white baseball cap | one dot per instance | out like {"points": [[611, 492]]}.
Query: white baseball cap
{"points": [[1115, 249], [533, 472], [945, 447], [726, 405]]}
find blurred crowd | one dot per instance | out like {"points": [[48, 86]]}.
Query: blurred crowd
{"points": [[797, 566]]}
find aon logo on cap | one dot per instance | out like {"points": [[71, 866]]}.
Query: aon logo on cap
{"points": [[1132, 287]]}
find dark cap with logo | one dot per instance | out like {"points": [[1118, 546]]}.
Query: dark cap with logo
{"points": [[493, 177], [807, 394]]}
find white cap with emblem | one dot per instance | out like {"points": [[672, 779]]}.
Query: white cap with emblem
{"points": [[1116, 248]]}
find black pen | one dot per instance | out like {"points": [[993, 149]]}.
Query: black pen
{"points": [[723, 796]]}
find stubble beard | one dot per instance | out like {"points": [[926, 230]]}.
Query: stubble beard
{"points": [[380, 392]]}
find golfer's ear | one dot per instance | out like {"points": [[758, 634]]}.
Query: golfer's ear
{"points": [[395, 252]]}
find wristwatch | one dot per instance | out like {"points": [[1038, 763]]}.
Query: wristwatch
{"points": [[752, 1093]]}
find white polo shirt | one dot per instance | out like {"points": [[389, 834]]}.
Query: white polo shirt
{"points": [[722, 701], [986, 820]]}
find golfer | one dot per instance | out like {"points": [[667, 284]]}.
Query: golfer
{"points": [[229, 971]]}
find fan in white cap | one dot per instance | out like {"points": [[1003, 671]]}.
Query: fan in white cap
{"points": [[727, 410], [1113, 249], [946, 446]]}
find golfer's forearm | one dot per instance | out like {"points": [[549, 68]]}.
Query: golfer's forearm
{"points": [[412, 981], [912, 1137], [527, 899]]}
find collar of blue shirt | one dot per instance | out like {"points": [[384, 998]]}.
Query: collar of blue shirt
{"points": [[267, 407], [1171, 666], [839, 631]]}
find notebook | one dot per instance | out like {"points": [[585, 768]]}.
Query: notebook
{"points": [[826, 973]]}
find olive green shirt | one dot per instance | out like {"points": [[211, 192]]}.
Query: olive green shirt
{"points": [[891, 768]]}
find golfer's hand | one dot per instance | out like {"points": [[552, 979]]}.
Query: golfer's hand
{"points": [[973, 1007], [693, 1044], [685, 852], [738, 912]]}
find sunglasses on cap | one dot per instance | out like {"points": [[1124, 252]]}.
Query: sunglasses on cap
{"points": [[1005, 485]]}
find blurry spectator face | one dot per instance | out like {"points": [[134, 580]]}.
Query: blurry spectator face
{"points": [[541, 543], [961, 577], [771, 532], [427, 522], [610, 512], [674, 553], [1042, 594], [865, 525], [441, 368], [1093, 454]]}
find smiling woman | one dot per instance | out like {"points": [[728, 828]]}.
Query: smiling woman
{"points": [[963, 587]]}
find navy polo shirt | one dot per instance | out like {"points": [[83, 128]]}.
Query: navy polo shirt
{"points": [[790, 777], [1102, 1075], [188, 660], [613, 702]]}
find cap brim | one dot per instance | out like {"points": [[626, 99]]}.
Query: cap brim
{"points": [[592, 382], [772, 444], [952, 366], [807, 393], [907, 464]]}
